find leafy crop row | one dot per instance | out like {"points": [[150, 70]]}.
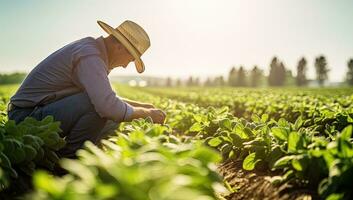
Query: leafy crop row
{"points": [[321, 106], [313, 152], [25, 147], [142, 162]]}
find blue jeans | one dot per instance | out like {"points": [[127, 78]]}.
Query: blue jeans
{"points": [[79, 121]]}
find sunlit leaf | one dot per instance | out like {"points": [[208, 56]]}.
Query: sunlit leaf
{"points": [[250, 161]]}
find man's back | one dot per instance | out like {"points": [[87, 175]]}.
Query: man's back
{"points": [[55, 73]]}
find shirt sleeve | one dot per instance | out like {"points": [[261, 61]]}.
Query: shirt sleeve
{"points": [[93, 78]]}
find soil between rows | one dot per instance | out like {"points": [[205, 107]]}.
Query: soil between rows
{"points": [[252, 185]]}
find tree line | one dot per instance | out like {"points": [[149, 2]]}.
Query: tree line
{"points": [[12, 78], [278, 75]]}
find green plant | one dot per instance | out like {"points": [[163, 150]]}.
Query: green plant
{"points": [[141, 162]]}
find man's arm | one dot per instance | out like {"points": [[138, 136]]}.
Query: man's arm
{"points": [[138, 104], [93, 77]]}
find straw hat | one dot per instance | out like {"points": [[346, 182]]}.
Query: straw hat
{"points": [[133, 37]]}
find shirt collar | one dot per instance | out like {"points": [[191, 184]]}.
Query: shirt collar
{"points": [[103, 51]]}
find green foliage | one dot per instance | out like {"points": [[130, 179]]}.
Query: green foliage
{"points": [[315, 107], [304, 136], [141, 162], [26, 145], [250, 161]]}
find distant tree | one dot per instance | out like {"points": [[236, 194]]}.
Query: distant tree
{"points": [[156, 83], [149, 82], [12, 78], [289, 79], [197, 81], [301, 73], [273, 71], [277, 75], [208, 82], [282, 74], [178, 82], [232, 77], [219, 81], [241, 77], [168, 82], [190, 81], [321, 69], [350, 72], [255, 76]]}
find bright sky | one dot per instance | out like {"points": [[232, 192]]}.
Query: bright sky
{"points": [[188, 37]]}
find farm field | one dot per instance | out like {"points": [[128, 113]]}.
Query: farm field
{"points": [[217, 143]]}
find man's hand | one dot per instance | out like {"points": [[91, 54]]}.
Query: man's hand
{"points": [[157, 115]]}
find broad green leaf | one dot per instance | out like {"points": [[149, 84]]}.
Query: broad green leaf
{"points": [[236, 139], [279, 133], [255, 118], [231, 154], [226, 148], [298, 123], [344, 148], [250, 162], [156, 130], [199, 117], [226, 124], [197, 127], [335, 196], [293, 141], [349, 119], [248, 131], [215, 142], [46, 182], [106, 191], [275, 180], [205, 155], [288, 175], [300, 162], [239, 130], [316, 153], [282, 122], [347, 132], [264, 118], [283, 162], [329, 158]]}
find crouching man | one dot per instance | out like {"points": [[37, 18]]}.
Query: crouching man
{"points": [[72, 85]]}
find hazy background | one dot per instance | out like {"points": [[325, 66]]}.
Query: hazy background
{"points": [[188, 37]]}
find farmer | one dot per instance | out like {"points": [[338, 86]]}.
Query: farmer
{"points": [[72, 85]]}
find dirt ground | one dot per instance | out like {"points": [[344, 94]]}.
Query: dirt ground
{"points": [[252, 185]]}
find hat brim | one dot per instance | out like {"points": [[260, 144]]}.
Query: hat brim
{"points": [[140, 66]]}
